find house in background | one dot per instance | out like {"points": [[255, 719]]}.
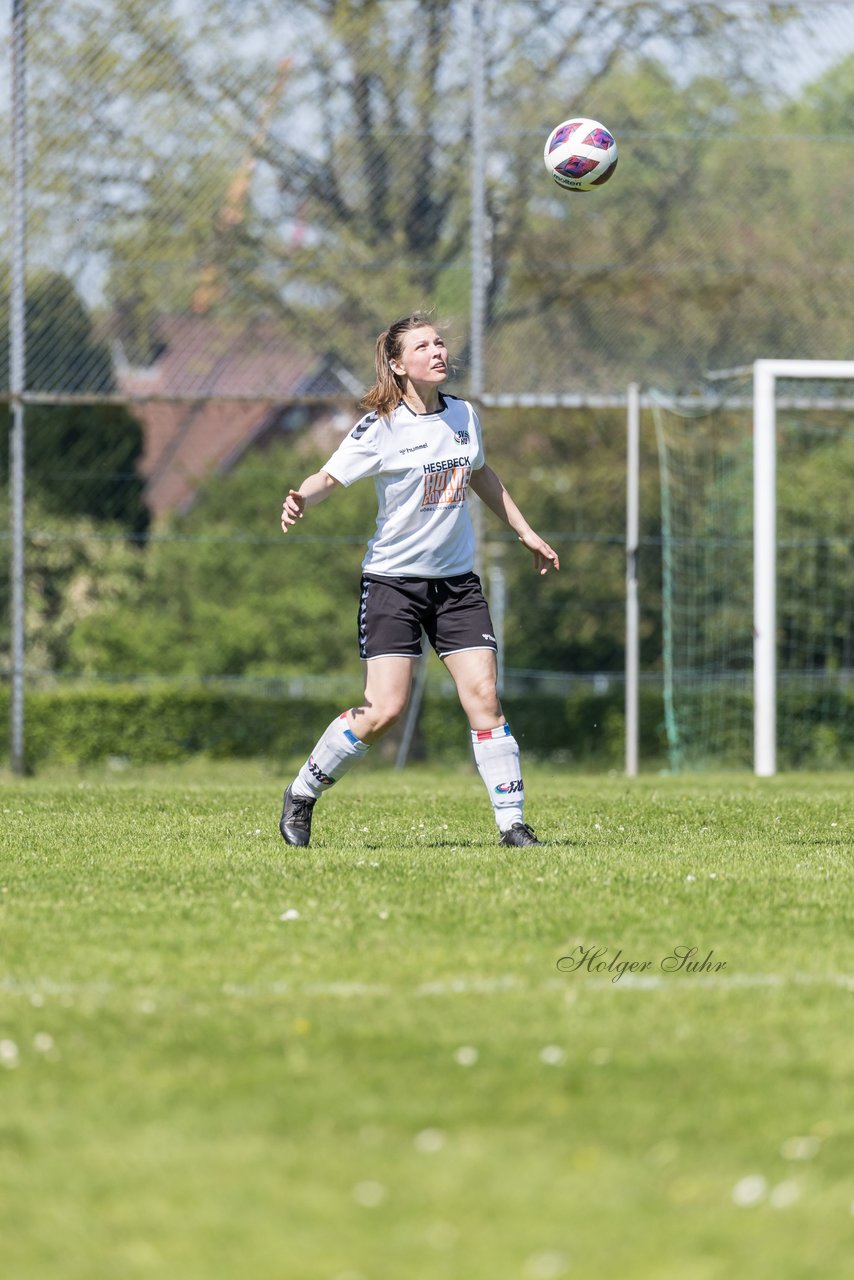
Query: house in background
{"points": [[246, 381]]}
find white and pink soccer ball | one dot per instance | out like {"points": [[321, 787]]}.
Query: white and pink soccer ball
{"points": [[580, 154]]}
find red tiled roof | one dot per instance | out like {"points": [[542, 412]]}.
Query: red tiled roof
{"points": [[184, 442]]}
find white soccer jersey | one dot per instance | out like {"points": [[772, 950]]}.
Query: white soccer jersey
{"points": [[422, 465]]}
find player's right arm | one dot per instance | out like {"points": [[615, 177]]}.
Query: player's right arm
{"points": [[312, 490]]}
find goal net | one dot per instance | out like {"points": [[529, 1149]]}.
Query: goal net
{"points": [[715, 574]]}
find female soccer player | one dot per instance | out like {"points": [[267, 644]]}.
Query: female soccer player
{"points": [[424, 451]]}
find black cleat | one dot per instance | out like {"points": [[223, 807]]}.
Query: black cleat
{"points": [[295, 822], [520, 833]]}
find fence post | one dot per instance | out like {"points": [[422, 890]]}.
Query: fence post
{"points": [[17, 375], [477, 248], [632, 608]]}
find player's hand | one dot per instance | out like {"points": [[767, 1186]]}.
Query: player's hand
{"points": [[292, 509], [545, 557]]}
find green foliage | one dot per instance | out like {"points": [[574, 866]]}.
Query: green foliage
{"points": [[224, 592], [566, 471], [142, 723], [583, 728], [322, 174], [815, 557], [164, 722], [716, 726], [221, 591], [75, 569], [691, 259], [708, 588], [827, 105], [80, 459], [63, 353], [83, 460]]}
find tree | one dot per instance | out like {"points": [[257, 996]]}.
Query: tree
{"points": [[355, 163], [228, 594], [76, 568], [81, 459]]}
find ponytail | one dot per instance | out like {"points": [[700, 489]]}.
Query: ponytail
{"points": [[385, 395]]}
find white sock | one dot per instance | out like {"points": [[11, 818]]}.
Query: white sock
{"points": [[337, 750], [496, 754]]}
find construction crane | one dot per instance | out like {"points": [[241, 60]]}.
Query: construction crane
{"points": [[210, 288]]}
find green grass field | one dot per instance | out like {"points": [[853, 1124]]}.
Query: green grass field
{"points": [[406, 1080]]}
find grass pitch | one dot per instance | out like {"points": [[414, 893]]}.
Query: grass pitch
{"points": [[407, 1054]]}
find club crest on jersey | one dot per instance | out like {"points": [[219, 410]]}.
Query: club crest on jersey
{"points": [[461, 437]]}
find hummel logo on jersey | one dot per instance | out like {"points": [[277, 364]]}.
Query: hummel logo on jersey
{"points": [[361, 427], [461, 437], [510, 788], [414, 448]]}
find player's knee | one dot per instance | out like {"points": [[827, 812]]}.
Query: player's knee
{"points": [[483, 695], [385, 712], [390, 712]]}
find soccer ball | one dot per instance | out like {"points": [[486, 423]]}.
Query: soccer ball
{"points": [[580, 154]]}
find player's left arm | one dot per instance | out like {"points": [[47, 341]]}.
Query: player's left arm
{"points": [[490, 490]]}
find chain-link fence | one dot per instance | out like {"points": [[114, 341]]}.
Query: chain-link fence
{"points": [[276, 182], [225, 202]]}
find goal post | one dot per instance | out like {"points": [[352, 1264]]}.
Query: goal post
{"points": [[632, 657], [766, 374]]}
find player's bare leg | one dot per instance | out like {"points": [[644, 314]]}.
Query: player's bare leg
{"points": [[388, 683], [345, 742]]}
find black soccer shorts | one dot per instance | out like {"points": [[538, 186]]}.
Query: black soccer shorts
{"points": [[452, 612]]}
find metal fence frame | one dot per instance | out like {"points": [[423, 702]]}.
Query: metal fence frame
{"points": [[18, 397], [17, 371]]}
